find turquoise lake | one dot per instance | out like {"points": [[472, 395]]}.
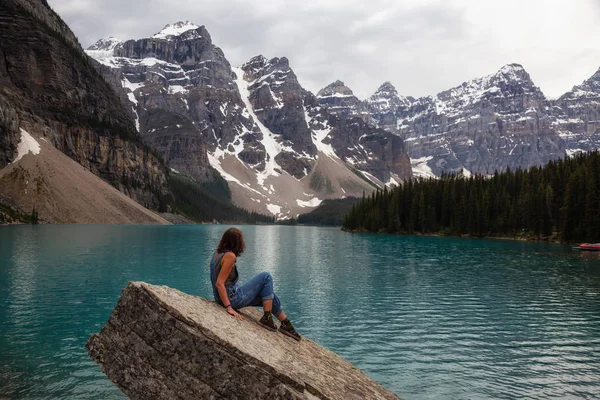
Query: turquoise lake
{"points": [[427, 317]]}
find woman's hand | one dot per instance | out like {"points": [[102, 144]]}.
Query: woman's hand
{"points": [[233, 313]]}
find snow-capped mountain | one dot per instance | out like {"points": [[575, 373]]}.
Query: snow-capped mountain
{"points": [[486, 124], [268, 137]]}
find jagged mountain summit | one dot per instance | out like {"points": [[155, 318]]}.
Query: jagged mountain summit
{"points": [[487, 124], [280, 151]]}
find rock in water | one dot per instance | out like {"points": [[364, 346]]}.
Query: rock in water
{"points": [[160, 343]]}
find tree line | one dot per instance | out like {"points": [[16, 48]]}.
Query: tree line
{"points": [[560, 201]]}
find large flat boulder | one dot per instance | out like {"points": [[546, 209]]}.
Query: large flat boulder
{"points": [[160, 343]]}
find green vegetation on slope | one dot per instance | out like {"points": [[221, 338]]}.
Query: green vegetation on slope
{"points": [[559, 200], [208, 202], [11, 214], [329, 212]]}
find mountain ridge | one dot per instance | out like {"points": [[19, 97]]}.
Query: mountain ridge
{"points": [[530, 129], [482, 125], [256, 125]]}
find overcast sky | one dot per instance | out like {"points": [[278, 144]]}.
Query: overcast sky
{"points": [[421, 46]]}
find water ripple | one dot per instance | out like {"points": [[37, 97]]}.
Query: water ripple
{"points": [[427, 317]]}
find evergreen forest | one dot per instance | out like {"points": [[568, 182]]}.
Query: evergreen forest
{"points": [[560, 201]]}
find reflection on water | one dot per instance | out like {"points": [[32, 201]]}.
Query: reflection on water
{"points": [[426, 317]]}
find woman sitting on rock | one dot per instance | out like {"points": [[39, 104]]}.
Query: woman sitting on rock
{"points": [[256, 292]]}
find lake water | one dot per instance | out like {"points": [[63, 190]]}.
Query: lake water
{"points": [[426, 317]]}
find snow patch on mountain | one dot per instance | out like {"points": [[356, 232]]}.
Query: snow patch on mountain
{"points": [[392, 182], [175, 29], [314, 202], [131, 88], [420, 167], [269, 139], [27, 145], [575, 152], [371, 178], [319, 135], [274, 209]]}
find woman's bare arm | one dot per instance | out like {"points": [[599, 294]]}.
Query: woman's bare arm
{"points": [[227, 263]]}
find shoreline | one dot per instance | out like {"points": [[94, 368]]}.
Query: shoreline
{"points": [[511, 238], [508, 238]]}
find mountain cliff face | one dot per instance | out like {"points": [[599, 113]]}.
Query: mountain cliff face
{"points": [[49, 88], [487, 124], [281, 152]]}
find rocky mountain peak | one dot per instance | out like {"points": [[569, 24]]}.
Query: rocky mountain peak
{"points": [[387, 88], [106, 44], [513, 73], [340, 100], [512, 67], [335, 89], [176, 29], [385, 100], [591, 87], [510, 89], [259, 66], [595, 77], [255, 63]]}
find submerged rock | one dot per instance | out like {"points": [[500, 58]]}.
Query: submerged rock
{"points": [[161, 343]]}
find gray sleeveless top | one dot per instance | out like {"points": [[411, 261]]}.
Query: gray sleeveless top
{"points": [[215, 269]]}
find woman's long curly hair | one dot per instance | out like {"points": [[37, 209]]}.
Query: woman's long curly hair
{"points": [[233, 241]]}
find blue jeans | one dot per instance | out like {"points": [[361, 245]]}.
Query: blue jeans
{"points": [[254, 292]]}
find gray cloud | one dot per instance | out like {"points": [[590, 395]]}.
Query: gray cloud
{"points": [[421, 46]]}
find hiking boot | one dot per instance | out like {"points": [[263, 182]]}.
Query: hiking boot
{"points": [[288, 330], [267, 322]]}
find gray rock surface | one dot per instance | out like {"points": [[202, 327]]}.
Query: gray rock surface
{"points": [[160, 343]]}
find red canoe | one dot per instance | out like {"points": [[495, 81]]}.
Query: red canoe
{"points": [[590, 246]]}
